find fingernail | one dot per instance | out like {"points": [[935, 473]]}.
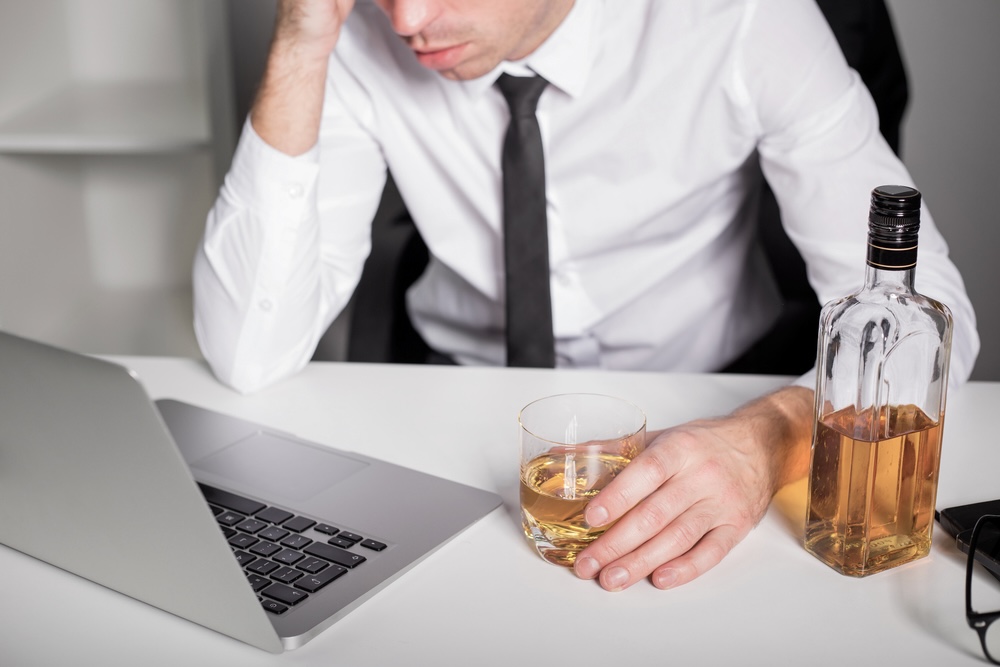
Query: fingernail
{"points": [[665, 578], [616, 578], [586, 567], [597, 516]]}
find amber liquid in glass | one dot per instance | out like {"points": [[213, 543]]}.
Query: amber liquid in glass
{"points": [[872, 488], [555, 490]]}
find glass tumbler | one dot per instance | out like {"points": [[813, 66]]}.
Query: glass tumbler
{"points": [[572, 446]]}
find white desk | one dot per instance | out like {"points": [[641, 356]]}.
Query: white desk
{"points": [[486, 598]]}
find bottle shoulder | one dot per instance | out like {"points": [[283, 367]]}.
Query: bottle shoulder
{"points": [[877, 304]]}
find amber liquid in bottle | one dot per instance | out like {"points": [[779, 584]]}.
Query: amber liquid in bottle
{"points": [[872, 501]]}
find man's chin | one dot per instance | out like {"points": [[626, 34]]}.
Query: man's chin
{"points": [[459, 75], [466, 73]]}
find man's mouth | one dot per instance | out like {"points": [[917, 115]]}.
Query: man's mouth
{"points": [[440, 58]]}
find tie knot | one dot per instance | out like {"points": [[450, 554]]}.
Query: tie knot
{"points": [[521, 93]]}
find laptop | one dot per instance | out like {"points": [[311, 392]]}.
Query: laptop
{"points": [[249, 531]]}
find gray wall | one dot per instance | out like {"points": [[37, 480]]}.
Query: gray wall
{"points": [[951, 141], [251, 23]]}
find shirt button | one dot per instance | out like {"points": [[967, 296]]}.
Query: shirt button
{"points": [[294, 190], [264, 304]]}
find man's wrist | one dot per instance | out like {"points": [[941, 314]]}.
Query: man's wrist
{"points": [[781, 423]]}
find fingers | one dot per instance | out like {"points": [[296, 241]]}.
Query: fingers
{"points": [[705, 555], [644, 539], [686, 550], [679, 511], [646, 473], [673, 511]]}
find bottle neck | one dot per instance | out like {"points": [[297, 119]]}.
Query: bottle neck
{"points": [[891, 260], [899, 280]]}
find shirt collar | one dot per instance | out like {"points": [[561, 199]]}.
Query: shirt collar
{"points": [[565, 59]]}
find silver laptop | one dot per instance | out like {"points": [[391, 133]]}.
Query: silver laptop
{"points": [[248, 531]]}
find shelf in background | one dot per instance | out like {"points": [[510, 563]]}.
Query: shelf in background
{"points": [[108, 119], [152, 321]]}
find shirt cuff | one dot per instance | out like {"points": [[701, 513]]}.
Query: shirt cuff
{"points": [[273, 183]]}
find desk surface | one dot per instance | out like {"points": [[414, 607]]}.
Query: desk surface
{"points": [[486, 598]]}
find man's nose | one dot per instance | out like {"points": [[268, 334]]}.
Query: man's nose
{"points": [[409, 17]]}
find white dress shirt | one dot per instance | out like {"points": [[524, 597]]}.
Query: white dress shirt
{"points": [[660, 117]]}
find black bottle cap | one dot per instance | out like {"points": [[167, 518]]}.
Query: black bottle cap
{"points": [[893, 226], [895, 209]]}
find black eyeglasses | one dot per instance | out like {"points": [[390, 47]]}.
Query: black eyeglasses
{"points": [[984, 547]]}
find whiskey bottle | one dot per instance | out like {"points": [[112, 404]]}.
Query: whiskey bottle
{"points": [[881, 381]]}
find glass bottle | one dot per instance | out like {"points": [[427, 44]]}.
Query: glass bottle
{"points": [[882, 376]]}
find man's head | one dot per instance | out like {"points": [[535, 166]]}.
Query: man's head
{"points": [[465, 39]]}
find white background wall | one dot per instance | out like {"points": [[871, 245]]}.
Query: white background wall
{"points": [[951, 141]]}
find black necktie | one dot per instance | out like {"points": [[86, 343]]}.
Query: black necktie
{"points": [[530, 341]]}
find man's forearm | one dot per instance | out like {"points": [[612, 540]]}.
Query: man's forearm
{"points": [[289, 105]]}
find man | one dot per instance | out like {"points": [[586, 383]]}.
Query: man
{"points": [[657, 121]]}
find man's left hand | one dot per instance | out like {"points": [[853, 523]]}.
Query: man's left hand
{"points": [[696, 491]]}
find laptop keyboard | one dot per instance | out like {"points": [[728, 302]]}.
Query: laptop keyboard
{"points": [[286, 557]]}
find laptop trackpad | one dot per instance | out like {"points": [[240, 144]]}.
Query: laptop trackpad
{"points": [[280, 466]]}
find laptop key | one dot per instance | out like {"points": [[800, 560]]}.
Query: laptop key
{"points": [[286, 575], [327, 529], [339, 542], [230, 501], [262, 566], [311, 565], [229, 518], [251, 526], [243, 541], [274, 515], [334, 555], [243, 558], [264, 548], [285, 594], [353, 537], [314, 582], [274, 534], [258, 582], [373, 545], [274, 606], [288, 557], [297, 542], [298, 524]]}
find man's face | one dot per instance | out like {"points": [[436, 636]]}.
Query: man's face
{"points": [[465, 39]]}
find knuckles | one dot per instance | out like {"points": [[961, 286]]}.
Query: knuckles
{"points": [[651, 517], [688, 532]]}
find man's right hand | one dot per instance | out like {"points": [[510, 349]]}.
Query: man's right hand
{"points": [[310, 26], [289, 104]]}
